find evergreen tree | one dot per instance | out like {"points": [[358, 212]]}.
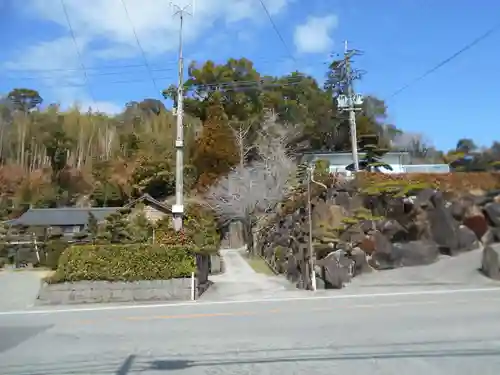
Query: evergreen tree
{"points": [[117, 228], [372, 161]]}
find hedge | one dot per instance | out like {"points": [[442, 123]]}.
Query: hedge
{"points": [[117, 262]]}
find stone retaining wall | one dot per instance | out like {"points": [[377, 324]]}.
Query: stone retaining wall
{"points": [[109, 292]]}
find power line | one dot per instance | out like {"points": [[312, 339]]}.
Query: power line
{"points": [[143, 53], [125, 81], [79, 55], [12, 76], [57, 76], [277, 30], [224, 85], [63, 70], [160, 68], [479, 39]]}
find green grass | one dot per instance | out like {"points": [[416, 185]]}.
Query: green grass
{"points": [[259, 265]]}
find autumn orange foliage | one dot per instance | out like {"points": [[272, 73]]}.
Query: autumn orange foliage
{"points": [[215, 151]]}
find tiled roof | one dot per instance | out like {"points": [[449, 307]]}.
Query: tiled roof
{"points": [[62, 216], [74, 215], [149, 199]]}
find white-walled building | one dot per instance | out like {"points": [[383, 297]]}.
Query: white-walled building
{"points": [[400, 161]]}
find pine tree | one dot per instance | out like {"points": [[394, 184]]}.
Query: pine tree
{"points": [[372, 161], [117, 229]]}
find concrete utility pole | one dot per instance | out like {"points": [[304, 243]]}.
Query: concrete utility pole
{"points": [[178, 207], [352, 114], [350, 101]]}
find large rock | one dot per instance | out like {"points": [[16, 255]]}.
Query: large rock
{"points": [[444, 227], [492, 235], [392, 229], [326, 215], [361, 265], [490, 264], [492, 213], [467, 211], [337, 269], [467, 241], [477, 223], [409, 254]]}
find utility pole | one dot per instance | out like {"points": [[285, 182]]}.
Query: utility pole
{"points": [[352, 114], [350, 101], [312, 254], [178, 207]]}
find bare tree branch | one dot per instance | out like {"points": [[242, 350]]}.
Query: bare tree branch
{"points": [[256, 188], [241, 130]]}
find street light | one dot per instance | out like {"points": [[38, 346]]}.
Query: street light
{"points": [[310, 179], [177, 216]]}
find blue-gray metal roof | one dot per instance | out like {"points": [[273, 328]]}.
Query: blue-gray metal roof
{"points": [[62, 216]]}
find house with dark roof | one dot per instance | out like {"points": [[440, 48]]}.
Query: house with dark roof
{"points": [[71, 220], [152, 208]]}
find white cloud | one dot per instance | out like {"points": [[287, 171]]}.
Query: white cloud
{"points": [[104, 32], [313, 36]]}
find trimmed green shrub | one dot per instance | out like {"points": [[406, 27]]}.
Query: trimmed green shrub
{"points": [[53, 250], [199, 230], [115, 262]]}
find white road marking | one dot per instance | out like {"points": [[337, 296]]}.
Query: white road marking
{"points": [[230, 302]]}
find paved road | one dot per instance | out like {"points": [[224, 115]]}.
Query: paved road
{"points": [[19, 289], [460, 272], [240, 282], [410, 333]]}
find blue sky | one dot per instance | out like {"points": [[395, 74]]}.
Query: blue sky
{"points": [[400, 39]]}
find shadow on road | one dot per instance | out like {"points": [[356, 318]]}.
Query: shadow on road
{"points": [[136, 364], [177, 365], [10, 336], [126, 366]]}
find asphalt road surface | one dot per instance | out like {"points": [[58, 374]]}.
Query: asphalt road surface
{"points": [[411, 333]]}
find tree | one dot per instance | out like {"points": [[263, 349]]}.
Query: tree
{"points": [[92, 227], [142, 228], [372, 161], [248, 192], [215, 151], [54, 246], [417, 145], [336, 78], [466, 145], [232, 85], [117, 228], [241, 131], [154, 176], [57, 144], [298, 99], [24, 99]]}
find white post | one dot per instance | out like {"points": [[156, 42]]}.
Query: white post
{"points": [[193, 287], [311, 246], [36, 248]]}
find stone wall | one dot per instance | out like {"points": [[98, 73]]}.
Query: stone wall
{"points": [[385, 226], [112, 292]]}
